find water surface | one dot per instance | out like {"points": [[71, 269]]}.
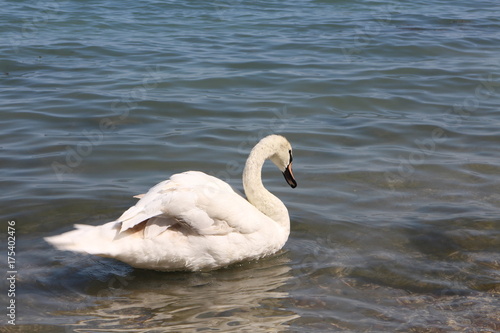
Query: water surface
{"points": [[392, 110]]}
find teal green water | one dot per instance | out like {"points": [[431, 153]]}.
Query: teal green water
{"points": [[393, 112]]}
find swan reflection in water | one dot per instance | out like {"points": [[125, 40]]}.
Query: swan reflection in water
{"points": [[245, 297]]}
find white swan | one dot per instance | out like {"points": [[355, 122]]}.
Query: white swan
{"points": [[194, 221]]}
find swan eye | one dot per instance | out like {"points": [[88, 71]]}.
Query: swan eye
{"points": [[291, 157]]}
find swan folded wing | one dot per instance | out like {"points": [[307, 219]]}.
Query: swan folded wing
{"points": [[214, 208], [135, 215], [162, 206], [194, 209], [158, 224], [220, 212], [202, 203], [147, 207]]}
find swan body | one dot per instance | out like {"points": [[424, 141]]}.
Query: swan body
{"points": [[194, 221]]}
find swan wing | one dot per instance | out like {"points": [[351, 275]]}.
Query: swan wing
{"points": [[158, 224], [203, 204]]}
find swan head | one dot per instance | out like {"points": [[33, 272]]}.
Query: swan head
{"points": [[283, 158]]}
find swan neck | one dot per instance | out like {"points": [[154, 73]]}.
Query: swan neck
{"points": [[255, 191], [252, 176]]}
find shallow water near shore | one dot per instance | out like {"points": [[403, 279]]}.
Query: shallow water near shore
{"points": [[393, 113]]}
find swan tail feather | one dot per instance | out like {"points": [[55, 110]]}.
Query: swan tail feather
{"points": [[89, 239]]}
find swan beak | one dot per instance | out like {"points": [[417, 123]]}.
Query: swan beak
{"points": [[289, 176]]}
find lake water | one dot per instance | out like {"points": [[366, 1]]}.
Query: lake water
{"points": [[393, 110]]}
